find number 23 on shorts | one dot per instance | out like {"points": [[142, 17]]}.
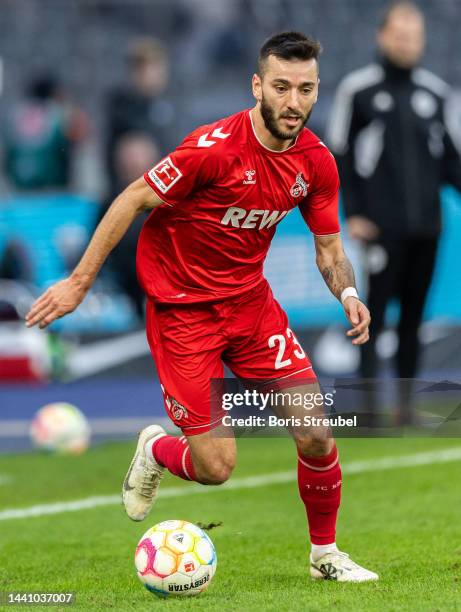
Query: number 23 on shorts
{"points": [[283, 358]]}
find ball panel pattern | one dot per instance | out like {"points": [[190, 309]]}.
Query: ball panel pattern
{"points": [[165, 562], [175, 558], [180, 541]]}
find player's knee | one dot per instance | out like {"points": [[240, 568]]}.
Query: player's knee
{"points": [[315, 444], [215, 472]]}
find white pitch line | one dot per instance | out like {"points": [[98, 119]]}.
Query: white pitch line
{"points": [[250, 482]]}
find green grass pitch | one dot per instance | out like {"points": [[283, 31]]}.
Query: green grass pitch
{"points": [[403, 523]]}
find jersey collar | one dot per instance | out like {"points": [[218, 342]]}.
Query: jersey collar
{"points": [[267, 149]]}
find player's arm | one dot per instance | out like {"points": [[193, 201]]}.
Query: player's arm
{"points": [[338, 274], [66, 295]]}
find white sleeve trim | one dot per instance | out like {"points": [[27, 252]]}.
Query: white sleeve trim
{"points": [[341, 114], [452, 119], [425, 78]]}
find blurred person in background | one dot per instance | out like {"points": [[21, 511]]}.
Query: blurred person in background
{"points": [[395, 148], [140, 105], [15, 262], [39, 137], [134, 152]]}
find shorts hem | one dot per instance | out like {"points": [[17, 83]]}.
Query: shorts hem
{"points": [[194, 430], [289, 380]]}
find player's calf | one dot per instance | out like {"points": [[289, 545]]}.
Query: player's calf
{"points": [[319, 482], [214, 457], [214, 472], [200, 458]]}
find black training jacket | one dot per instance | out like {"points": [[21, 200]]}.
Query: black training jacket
{"points": [[396, 143]]}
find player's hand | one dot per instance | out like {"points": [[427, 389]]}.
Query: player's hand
{"points": [[57, 301], [361, 228], [359, 315]]}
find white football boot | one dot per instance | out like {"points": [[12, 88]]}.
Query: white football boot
{"points": [[337, 566], [143, 478]]}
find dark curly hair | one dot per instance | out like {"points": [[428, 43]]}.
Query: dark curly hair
{"points": [[288, 46]]}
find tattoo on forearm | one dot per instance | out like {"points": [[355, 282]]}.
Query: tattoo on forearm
{"points": [[338, 276]]}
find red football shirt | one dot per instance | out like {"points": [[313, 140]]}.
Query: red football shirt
{"points": [[224, 193]]}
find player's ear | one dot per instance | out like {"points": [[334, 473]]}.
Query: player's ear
{"points": [[256, 86]]}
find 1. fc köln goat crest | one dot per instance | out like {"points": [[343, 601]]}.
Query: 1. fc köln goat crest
{"points": [[300, 187], [178, 410]]}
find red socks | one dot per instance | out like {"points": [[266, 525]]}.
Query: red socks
{"points": [[319, 481], [174, 454]]}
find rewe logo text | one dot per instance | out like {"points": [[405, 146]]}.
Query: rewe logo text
{"points": [[252, 219]]}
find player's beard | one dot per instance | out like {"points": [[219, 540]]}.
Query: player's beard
{"points": [[270, 121]]}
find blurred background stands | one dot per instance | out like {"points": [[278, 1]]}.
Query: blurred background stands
{"points": [[143, 74]]}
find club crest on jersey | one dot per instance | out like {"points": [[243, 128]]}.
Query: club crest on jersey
{"points": [[164, 175], [249, 177], [300, 187], [177, 410]]}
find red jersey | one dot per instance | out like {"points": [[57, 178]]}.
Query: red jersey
{"points": [[224, 193]]}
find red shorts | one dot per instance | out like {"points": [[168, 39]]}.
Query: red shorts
{"points": [[190, 343]]}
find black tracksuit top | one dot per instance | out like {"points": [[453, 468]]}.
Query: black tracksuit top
{"points": [[396, 144]]}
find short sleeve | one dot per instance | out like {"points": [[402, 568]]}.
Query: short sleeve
{"points": [[183, 171], [320, 207]]}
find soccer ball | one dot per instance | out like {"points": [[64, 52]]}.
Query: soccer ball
{"points": [[60, 428], [175, 558]]}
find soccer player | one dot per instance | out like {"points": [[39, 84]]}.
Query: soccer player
{"points": [[216, 201]]}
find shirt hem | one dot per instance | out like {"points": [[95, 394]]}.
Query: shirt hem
{"points": [[208, 298]]}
